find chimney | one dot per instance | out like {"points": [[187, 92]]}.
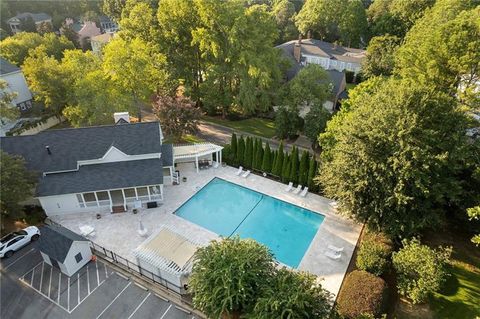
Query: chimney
{"points": [[48, 150], [121, 117], [297, 49]]}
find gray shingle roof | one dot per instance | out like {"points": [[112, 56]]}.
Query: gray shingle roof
{"points": [[6, 67], [167, 154], [103, 177], [326, 49], [56, 241], [37, 17], [71, 145]]}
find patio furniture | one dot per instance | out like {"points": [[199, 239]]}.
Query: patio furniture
{"points": [[240, 169], [87, 230], [289, 187], [245, 175], [335, 248], [304, 192], [297, 190], [332, 255]]}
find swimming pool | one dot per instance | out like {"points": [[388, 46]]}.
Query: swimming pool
{"points": [[229, 209]]}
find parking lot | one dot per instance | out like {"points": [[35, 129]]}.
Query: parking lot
{"points": [[31, 288]]}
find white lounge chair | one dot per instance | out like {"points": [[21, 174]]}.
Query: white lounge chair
{"points": [[304, 192], [240, 169], [87, 230], [335, 248], [332, 255], [289, 187], [298, 189], [245, 175]]}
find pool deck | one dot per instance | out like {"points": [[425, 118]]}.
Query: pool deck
{"points": [[118, 232]]}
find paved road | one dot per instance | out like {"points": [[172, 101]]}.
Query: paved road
{"points": [[30, 288]]}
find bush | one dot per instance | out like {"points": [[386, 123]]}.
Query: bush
{"points": [[374, 254], [362, 294], [420, 269]]}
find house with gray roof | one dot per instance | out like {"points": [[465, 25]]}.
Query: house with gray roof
{"points": [[17, 84], [107, 168], [64, 249], [15, 22]]}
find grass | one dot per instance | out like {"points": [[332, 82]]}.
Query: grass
{"points": [[257, 126], [350, 86], [185, 139]]}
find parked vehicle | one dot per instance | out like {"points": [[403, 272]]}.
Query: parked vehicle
{"points": [[16, 240]]}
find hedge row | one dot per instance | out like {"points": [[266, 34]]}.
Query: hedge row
{"points": [[287, 167]]}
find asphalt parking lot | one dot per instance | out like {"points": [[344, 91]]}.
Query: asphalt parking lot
{"points": [[30, 288]]}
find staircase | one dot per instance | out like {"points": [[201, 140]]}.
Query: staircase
{"points": [[118, 209]]}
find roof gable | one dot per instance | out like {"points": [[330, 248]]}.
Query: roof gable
{"points": [[56, 241], [7, 67]]}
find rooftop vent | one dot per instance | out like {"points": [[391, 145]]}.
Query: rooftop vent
{"points": [[48, 150], [121, 117]]}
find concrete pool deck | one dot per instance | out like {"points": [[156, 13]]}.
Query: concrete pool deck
{"points": [[118, 232]]}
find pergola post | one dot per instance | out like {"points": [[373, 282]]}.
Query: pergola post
{"points": [[196, 162], [220, 156]]}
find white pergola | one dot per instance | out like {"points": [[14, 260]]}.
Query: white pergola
{"points": [[194, 151]]}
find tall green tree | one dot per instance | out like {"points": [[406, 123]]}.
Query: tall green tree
{"points": [[248, 152], [294, 165], [395, 166], [233, 144], [259, 155], [241, 150], [293, 294], [286, 168], [278, 169], [312, 172], [380, 59], [266, 162], [138, 20], [287, 122], [353, 25], [228, 276], [20, 181], [137, 68], [284, 12], [316, 122], [113, 8], [303, 169]]}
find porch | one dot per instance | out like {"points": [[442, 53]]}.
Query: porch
{"points": [[195, 152]]}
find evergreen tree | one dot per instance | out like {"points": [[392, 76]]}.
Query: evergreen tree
{"points": [[240, 150], [278, 169], [248, 153], [286, 169], [273, 158], [266, 163], [259, 155], [294, 165], [233, 144], [254, 153], [303, 169], [312, 171]]}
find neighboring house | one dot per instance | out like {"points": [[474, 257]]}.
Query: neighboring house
{"points": [[63, 249], [107, 25], [85, 30], [96, 169], [293, 52], [99, 41], [15, 23], [16, 83]]}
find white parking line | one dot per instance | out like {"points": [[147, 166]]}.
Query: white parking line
{"points": [[9, 265], [98, 276], [50, 283], [68, 293], [59, 285], [41, 277], [114, 299], [105, 266], [166, 311], [138, 307], [78, 286], [88, 281]]}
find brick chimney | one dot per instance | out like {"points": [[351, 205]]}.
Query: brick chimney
{"points": [[297, 49]]}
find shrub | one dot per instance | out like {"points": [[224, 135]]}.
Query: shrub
{"points": [[374, 254], [362, 294], [420, 269]]}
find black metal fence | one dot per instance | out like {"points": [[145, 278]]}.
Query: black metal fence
{"points": [[134, 269]]}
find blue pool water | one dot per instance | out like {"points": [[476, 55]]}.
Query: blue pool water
{"points": [[229, 209]]}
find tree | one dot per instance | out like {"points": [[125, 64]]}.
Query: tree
{"points": [[139, 21], [233, 144], [420, 269], [374, 254], [442, 50], [286, 168], [136, 67], [67, 31], [312, 171], [266, 162], [113, 8], [8, 109], [278, 169], [178, 115], [294, 162], [474, 214], [56, 45], [94, 99], [241, 151], [248, 152], [353, 25], [303, 169], [258, 155], [15, 48], [45, 77], [287, 122], [284, 12], [45, 27], [394, 166], [380, 56], [293, 294], [228, 276], [20, 181], [310, 87], [28, 25], [316, 122]]}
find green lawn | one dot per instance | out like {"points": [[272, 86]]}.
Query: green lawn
{"points": [[185, 139], [460, 297], [350, 86], [257, 126]]}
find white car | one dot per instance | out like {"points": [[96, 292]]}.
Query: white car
{"points": [[16, 240]]}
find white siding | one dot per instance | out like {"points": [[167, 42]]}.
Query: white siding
{"points": [[16, 83], [70, 265], [46, 258], [65, 204]]}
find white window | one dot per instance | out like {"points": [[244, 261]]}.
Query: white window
{"points": [[78, 257], [129, 192]]}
